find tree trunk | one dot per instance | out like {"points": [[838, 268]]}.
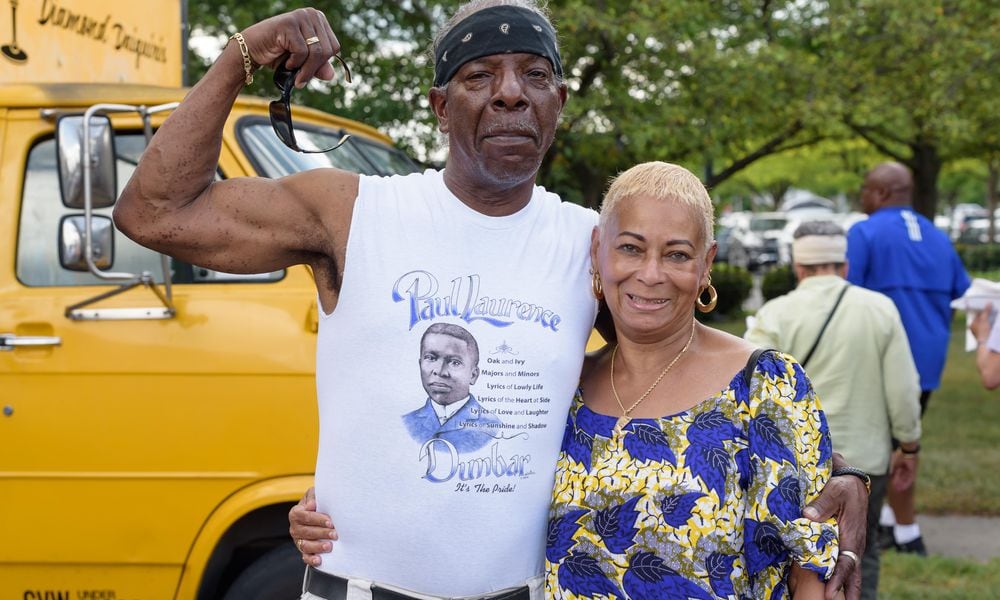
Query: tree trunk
{"points": [[592, 183], [778, 192], [926, 166], [992, 180], [593, 193]]}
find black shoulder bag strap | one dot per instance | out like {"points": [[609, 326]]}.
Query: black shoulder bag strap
{"points": [[825, 323], [752, 365]]}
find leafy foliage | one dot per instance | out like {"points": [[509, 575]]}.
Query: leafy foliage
{"points": [[713, 85], [386, 43], [831, 168], [979, 257], [915, 80], [777, 282], [716, 86]]}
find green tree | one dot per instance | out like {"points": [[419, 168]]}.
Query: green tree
{"points": [[916, 79], [962, 182], [829, 168], [717, 85], [386, 43], [713, 85]]}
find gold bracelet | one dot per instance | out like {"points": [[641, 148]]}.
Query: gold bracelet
{"points": [[248, 65]]}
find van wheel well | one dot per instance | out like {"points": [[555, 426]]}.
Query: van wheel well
{"points": [[275, 576], [249, 539]]}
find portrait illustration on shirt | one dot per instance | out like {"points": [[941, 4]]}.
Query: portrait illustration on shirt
{"points": [[449, 367]]}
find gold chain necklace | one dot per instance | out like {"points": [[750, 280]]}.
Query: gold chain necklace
{"points": [[627, 411]]}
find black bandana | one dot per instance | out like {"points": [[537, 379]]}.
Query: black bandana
{"points": [[496, 30]]}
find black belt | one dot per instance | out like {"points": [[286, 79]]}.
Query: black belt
{"points": [[331, 587]]}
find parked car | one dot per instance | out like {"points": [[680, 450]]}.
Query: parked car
{"points": [[764, 239], [943, 222], [753, 240], [962, 215], [730, 247], [977, 231]]}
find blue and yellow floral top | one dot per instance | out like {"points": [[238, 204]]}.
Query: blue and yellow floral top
{"points": [[706, 503]]}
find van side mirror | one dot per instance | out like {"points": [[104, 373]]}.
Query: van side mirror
{"points": [[69, 148], [72, 241]]}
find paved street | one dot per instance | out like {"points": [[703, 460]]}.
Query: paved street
{"points": [[961, 536]]}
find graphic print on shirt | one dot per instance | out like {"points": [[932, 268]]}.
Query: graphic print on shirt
{"points": [[912, 226], [481, 401], [449, 367], [427, 301]]}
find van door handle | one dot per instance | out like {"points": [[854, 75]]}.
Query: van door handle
{"points": [[9, 341]]}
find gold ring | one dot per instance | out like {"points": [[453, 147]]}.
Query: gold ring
{"points": [[312, 40], [298, 544], [851, 556]]}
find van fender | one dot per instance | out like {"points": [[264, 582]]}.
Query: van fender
{"points": [[259, 495]]}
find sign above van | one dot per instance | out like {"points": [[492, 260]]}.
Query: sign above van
{"points": [[92, 41]]}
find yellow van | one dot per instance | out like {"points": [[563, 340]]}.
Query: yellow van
{"points": [[158, 418], [148, 449]]}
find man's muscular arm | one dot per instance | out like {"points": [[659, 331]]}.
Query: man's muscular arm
{"points": [[172, 203]]}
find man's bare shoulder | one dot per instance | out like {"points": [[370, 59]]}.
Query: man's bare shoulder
{"points": [[323, 187]]}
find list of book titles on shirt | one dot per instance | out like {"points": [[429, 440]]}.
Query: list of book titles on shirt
{"points": [[512, 391]]}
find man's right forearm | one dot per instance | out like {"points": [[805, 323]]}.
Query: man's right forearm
{"points": [[181, 160]]}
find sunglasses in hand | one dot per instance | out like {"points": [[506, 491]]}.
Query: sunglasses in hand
{"points": [[281, 110]]}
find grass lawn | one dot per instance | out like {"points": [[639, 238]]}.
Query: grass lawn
{"points": [[961, 439], [907, 577]]}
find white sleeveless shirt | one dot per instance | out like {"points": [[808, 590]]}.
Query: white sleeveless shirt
{"points": [[460, 508]]}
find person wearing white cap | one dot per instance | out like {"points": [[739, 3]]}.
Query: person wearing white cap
{"points": [[851, 342]]}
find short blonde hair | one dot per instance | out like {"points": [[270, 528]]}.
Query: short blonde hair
{"points": [[662, 181]]}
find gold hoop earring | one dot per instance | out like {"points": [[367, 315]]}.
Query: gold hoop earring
{"points": [[596, 285], [713, 299]]}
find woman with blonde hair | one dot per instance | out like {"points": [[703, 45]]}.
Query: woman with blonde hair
{"points": [[689, 454]]}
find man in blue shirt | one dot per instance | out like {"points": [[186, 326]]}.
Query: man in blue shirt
{"points": [[900, 253]]}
